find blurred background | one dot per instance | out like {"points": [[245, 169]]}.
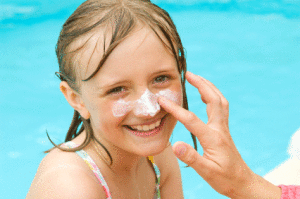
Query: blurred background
{"points": [[250, 49]]}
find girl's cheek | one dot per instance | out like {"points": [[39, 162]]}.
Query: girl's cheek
{"points": [[121, 108]]}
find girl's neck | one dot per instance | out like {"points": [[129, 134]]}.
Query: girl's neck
{"points": [[124, 164]]}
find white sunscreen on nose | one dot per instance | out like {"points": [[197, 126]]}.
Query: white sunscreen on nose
{"points": [[146, 105]]}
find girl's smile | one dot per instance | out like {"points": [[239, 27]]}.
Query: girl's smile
{"points": [[147, 129]]}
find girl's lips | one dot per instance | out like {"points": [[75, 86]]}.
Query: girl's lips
{"points": [[148, 133], [147, 123]]}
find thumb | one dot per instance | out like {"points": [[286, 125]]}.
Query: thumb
{"points": [[187, 154]]}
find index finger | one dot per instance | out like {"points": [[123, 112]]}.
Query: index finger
{"points": [[209, 96], [191, 122]]}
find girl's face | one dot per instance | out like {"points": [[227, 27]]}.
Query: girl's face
{"points": [[139, 65]]}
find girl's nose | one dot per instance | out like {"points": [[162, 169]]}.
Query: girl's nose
{"points": [[147, 104]]}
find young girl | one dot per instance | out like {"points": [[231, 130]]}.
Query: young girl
{"points": [[116, 58]]}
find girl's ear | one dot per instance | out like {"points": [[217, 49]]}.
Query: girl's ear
{"points": [[74, 99]]}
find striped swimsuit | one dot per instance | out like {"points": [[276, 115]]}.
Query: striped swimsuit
{"points": [[99, 176]]}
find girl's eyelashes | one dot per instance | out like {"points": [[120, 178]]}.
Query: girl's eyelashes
{"points": [[160, 80], [116, 90]]}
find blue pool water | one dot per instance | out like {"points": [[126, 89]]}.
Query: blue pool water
{"points": [[249, 51]]}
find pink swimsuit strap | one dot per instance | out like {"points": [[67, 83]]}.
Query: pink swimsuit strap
{"points": [[290, 191]]}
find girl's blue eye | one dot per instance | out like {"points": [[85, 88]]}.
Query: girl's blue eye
{"points": [[162, 78], [116, 90]]}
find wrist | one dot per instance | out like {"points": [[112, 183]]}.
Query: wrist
{"points": [[257, 187]]}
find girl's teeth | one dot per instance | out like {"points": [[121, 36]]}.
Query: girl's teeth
{"points": [[140, 128], [157, 123], [147, 127], [152, 126]]}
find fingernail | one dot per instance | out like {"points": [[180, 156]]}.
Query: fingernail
{"points": [[161, 99], [189, 73], [180, 150], [164, 101], [194, 75]]}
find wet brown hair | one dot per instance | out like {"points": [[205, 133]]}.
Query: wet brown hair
{"points": [[122, 16]]}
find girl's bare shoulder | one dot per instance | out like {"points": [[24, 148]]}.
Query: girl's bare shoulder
{"points": [[64, 175], [58, 160]]}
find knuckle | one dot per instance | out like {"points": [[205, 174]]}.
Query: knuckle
{"points": [[190, 159], [225, 104], [203, 99], [217, 100], [221, 141], [191, 117]]}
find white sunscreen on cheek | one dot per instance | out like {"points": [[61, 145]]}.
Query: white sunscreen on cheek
{"points": [[146, 105], [120, 108]]}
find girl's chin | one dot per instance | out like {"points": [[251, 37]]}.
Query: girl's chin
{"points": [[151, 149]]}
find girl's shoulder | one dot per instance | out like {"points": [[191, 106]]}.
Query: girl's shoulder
{"points": [[64, 175]]}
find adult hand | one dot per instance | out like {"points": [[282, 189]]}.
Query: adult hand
{"points": [[221, 165]]}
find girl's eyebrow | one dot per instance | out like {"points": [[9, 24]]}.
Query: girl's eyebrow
{"points": [[126, 81], [165, 70]]}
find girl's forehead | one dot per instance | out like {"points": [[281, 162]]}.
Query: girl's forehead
{"points": [[90, 55], [85, 47]]}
